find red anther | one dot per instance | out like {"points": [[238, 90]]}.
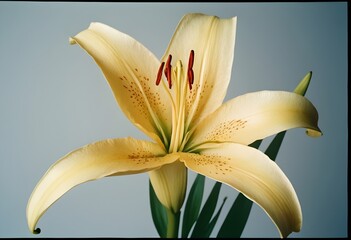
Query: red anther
{"points": [[169, 77], [168, 71], [190, 78], [190, 69], [191, 60], [169, 59], [159, 74], [168, 64]]}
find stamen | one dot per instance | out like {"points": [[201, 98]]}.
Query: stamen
{"points": [[191, 60], [190, 69], [169, 77], [159, 74], [168, 71], [190, 78]]}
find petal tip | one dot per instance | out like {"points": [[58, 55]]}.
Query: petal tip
{"points": [[36, 231], [72, 41], [314, 133]]}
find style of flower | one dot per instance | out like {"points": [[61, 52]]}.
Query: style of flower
{"points": [[178, 102]]}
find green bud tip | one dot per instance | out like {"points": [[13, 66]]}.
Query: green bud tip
{"points": [[303, 85]]}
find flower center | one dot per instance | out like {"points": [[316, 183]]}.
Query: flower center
{"points": [[176, 76]]}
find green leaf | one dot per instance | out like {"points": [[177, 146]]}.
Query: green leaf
{"points": [[158, 212], [235, 221], [214, 220], [193, 204], [273, 148], [256, 144], [206, 213]]}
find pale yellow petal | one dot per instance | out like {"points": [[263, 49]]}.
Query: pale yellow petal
{"points": [[91, 162], [254, 116], [169, 183], [131, 71], [212, 40], [252, 173]]}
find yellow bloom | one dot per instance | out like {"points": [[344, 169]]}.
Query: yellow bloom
{"points": [[178, 103]]}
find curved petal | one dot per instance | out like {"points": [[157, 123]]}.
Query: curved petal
{"points": [[257, 115], [212, 40], [169, 183], [131, 72], [252, 173], [91, 162]]}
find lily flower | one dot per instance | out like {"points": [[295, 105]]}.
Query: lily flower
{"points": [[178, 102]]}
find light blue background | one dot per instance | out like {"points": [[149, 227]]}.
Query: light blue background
{"points": [[54, 99]]}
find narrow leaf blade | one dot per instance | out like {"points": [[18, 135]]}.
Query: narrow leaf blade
{"points": [[158, 212], [214, 220], [193, 204], [206, 212], [236, 219], [256, 144], [273, 148]]}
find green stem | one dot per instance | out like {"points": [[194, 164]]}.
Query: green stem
{"points": [[172, 224]]}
